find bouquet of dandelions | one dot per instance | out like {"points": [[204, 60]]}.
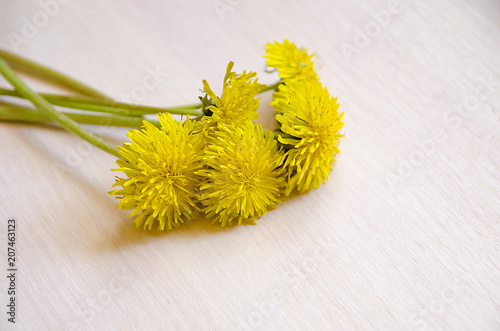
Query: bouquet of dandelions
{"points": [[219, 163]]}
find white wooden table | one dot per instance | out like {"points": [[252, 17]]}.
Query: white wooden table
{"points": [[404, 236]]}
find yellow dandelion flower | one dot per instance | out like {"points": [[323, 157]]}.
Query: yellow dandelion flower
{"points": [[161, 166], [237, 103], [243, 175], [290, 61], [310, 121]]}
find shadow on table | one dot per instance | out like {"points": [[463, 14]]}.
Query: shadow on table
{"points": [[127, 234]]}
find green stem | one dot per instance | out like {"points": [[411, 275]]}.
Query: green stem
{"points": [[24, 114], [96, 108], [37, 70], [51, 113], [271, 87], [113, 107]]}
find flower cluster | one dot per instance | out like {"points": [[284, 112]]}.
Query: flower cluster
{"points": [[222, 164], [162, 167], [243, 173], [310, 124], [237, 103], [308, 117], [290, 61]]}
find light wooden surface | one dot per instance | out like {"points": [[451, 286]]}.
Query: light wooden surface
{"points": [[404, 236]]}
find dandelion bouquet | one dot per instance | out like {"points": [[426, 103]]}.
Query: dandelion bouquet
{"points": [[218, 162]]}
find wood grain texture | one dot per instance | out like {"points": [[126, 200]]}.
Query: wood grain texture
{"points": [[404, 236]]}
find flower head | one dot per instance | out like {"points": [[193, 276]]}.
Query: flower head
{"points": [[237, 103], [243, 173], [290, 61], [161, 166], [310, 121]]}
